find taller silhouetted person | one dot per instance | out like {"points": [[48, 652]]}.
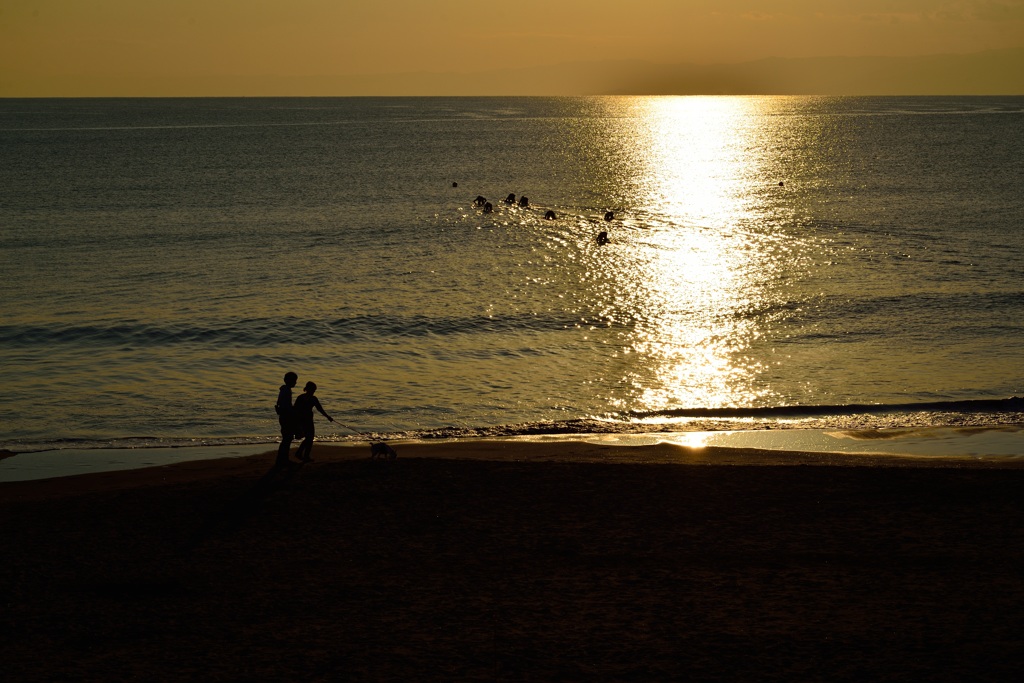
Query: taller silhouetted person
{"points": [[286, 416]]}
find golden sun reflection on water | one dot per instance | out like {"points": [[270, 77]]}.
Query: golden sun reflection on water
{"points": [[699, 267], [696, 152]]}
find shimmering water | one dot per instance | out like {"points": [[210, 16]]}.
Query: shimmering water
{"points": [[164, 262]]}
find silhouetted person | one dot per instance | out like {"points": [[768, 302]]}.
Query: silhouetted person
{"points": [[550, 215], [286, 416], [602, 238], [455, 184], [511, 198], [609, 215], [524, 202], [304, 405], [488, 207], [480, 200]]}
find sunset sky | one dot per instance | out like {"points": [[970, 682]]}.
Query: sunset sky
{"points": [[181, 47]]}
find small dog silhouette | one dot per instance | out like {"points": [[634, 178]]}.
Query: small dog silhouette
{"points": [[382, 450]]}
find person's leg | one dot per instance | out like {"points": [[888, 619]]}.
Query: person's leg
{"points": [[305, 452], [286, 442], [300, 452]]}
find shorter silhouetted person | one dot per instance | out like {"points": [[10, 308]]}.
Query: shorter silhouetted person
{"points": [[550, 215], [524, 202], [286, 416], [304, 405], [480, 200], [609, 215], [488, 207], [511, 198], [602, 238]]}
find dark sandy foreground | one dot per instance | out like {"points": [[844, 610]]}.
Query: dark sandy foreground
{"points": [[536, 564]]}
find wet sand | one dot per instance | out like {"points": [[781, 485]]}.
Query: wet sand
{"points": [[518, 561]]}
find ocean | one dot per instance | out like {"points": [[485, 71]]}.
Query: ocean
{"points": [[772, 262]]}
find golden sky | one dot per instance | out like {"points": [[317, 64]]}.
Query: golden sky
{"points": [[181, 47]]}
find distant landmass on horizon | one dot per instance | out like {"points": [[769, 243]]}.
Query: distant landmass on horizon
{"points": [[999, 72], [996, 72]]}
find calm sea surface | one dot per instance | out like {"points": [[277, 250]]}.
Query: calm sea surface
{"points": [[773, 262]]}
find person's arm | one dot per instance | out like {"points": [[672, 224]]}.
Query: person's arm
{"points": [[316, 404]]}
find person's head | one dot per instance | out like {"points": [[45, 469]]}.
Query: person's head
{"points": [[290, 378], [310, 387]]}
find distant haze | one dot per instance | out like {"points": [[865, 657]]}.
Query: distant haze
{"points": [[989, 73], [60, 48]]}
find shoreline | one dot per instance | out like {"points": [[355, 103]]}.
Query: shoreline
{"points": [[998, 445], [524, 450]]}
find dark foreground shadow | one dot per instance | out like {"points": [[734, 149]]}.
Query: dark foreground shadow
{"points": [[235, 512], [129, 583]]}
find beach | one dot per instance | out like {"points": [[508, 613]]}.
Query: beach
{"points": [[518, 560], [728, 388]]}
